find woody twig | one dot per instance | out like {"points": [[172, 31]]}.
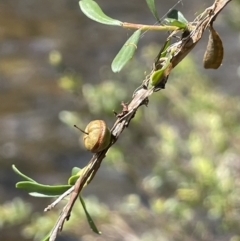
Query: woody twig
{"points": [[180, 49]]}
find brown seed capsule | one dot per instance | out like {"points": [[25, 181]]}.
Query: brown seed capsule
{"points": [[214, 53], [96, 136]]}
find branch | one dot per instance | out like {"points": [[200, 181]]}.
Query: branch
{"points": [[149, 27], [140, 97]]}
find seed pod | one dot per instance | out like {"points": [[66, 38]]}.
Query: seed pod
{"points": [[214, 53], [96, 136]]}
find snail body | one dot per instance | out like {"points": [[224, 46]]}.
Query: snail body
{"points": [[97, 136], [214, 53]]}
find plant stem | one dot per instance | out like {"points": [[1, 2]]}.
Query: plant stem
{"points": [[149, 27]]}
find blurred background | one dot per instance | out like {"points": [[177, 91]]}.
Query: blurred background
{"points": [[175, 172]]}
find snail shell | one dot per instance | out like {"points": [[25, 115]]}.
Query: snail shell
{"points": [[97, 136], [214, 53]]}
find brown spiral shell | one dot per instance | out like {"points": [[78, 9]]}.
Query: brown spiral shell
{"points": [[97, 136]]}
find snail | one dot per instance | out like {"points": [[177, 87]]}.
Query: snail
{"points": [[214, 53], [97, 136]]}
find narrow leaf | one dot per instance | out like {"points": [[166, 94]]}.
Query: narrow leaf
{"points": [[152, 7], [156, 76], [175, 14], [36, 194], [32, 187], [162, 53], [174, 22], [22, 175], [92, 10], [75, 170], [126, 52], [72, 180], [164, 48], [78, 172], [90, 220]]}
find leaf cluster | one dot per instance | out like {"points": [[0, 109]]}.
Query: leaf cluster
{"points": [[92, 10]]}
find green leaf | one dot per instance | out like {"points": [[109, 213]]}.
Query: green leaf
{"points": [[22, 175], [156, 76], [75, 170], [151, 5], [92, 10], [126, 52], [90, 220], [176, 18], [77, 173], [162, 53], [175, 14], [174, 22], [33, 187], [36, 194], [164, 48], [72, 180]]}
